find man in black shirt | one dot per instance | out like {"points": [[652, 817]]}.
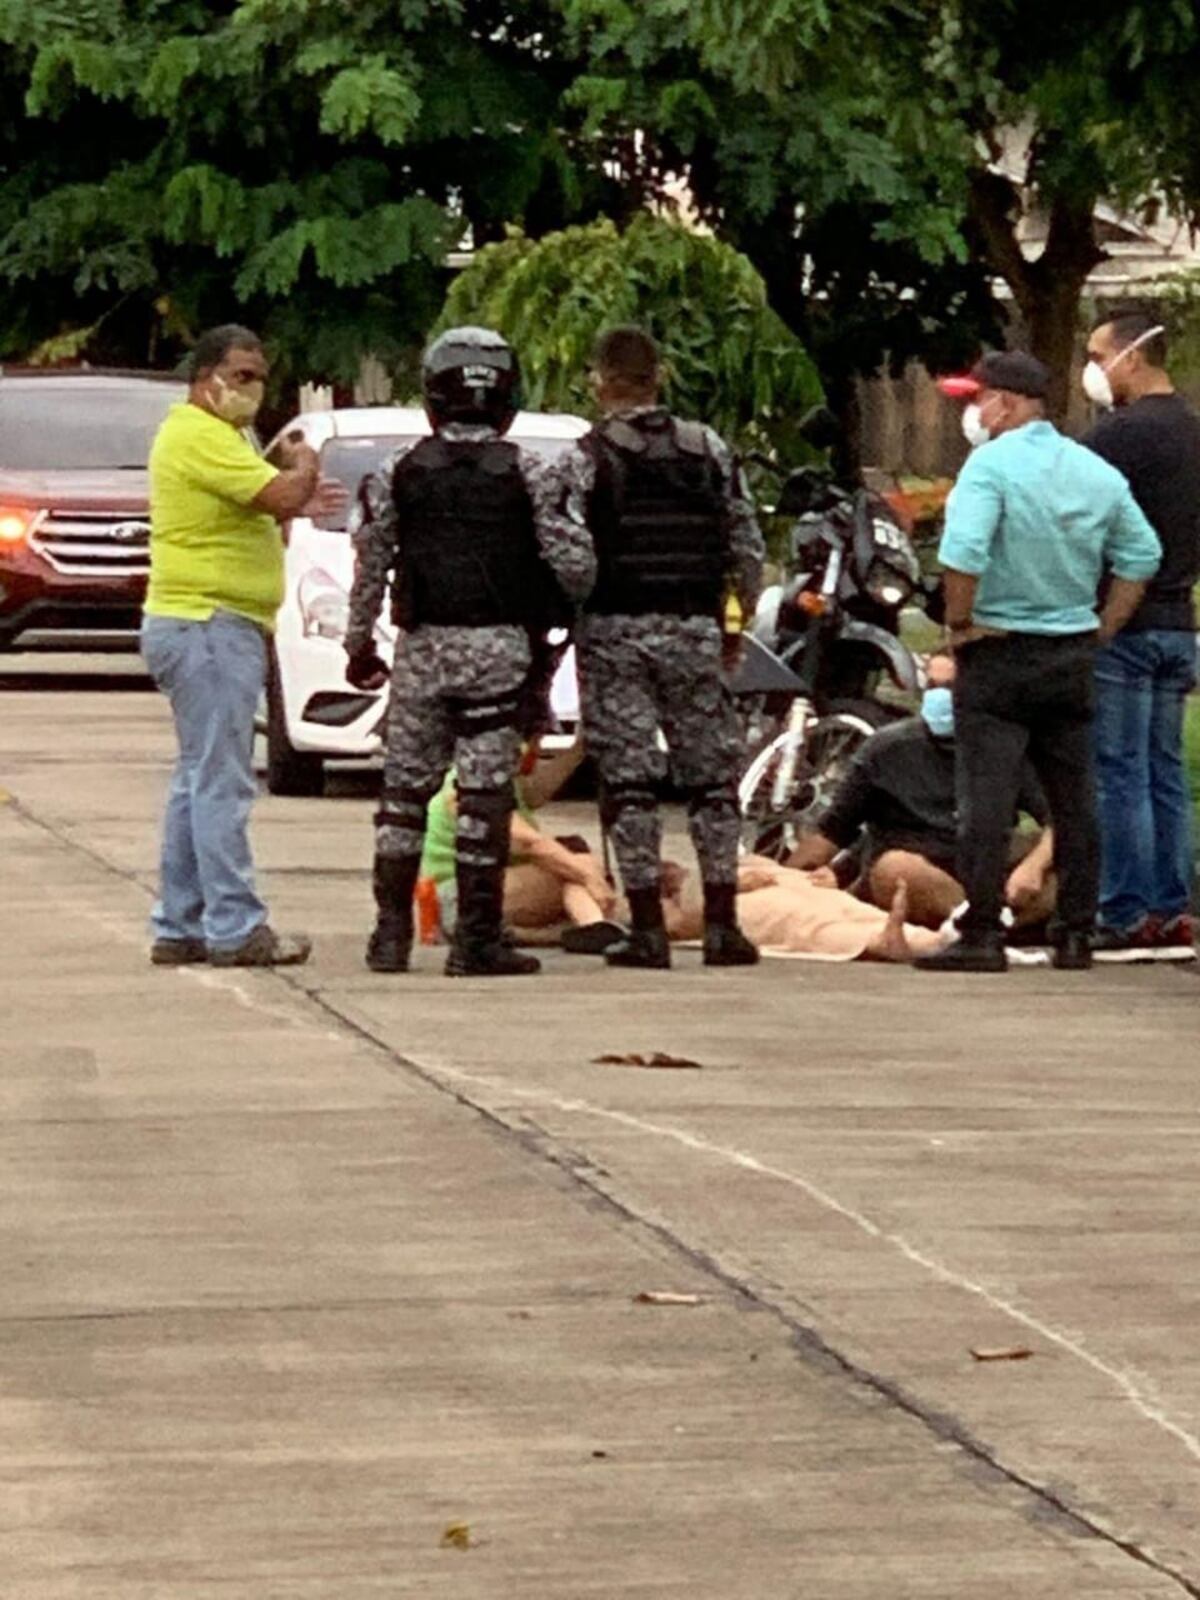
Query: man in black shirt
{"points": [[1143, 677], [897, 803]]}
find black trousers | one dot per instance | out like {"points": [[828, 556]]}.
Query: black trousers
{"points": [[1017, 697]]}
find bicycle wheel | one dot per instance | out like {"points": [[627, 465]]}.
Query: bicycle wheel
{"points": [[771, 830]]}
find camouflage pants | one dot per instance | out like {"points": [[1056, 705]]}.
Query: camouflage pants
{"points": [[454, 701], [640, 674]]}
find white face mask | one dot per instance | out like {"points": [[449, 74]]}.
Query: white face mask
{"points": [[1096, 382], [975, 429]]}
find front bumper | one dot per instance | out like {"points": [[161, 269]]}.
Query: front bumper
{"points": [[40, 606]]}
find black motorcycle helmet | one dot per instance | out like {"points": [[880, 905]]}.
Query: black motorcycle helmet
{"points": [[471, 375]]}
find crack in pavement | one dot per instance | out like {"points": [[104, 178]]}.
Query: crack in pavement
{"points": [[811, 1345]]}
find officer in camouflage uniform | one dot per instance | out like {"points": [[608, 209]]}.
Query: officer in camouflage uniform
{"points": [[482, 560], [675, 530]]}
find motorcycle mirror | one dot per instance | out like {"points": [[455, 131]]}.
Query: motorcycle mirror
{"points": [[806, 489], [820, 428]]}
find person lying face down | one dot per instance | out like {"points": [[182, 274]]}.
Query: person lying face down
{"points": [[803, 913]]}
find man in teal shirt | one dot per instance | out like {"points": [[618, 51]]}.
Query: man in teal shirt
{"points": [[1032, 527]]}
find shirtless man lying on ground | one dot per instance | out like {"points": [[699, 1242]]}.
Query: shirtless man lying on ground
{"points": [[802, 913]]}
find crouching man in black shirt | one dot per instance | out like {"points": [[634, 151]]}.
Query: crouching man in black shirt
{"points": [[895, 809]]}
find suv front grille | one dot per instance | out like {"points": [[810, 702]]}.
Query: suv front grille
{"points": [[94, 544]]}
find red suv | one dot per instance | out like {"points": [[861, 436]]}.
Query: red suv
{"points": [[74, 509]]}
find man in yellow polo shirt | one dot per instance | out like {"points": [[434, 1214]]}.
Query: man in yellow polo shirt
{"points": [[216, 582]]}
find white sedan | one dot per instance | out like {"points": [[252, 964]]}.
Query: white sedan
{"points": [[312, 714]]}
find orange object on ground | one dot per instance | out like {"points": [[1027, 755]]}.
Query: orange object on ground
{"points": [[429, 912]]}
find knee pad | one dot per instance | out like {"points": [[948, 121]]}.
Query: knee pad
{"points": [[618, 798], [483, 826], [404, 808], [488, 804]]}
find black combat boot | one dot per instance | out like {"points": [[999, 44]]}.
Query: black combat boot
{"points": [[725, 945], [395, 879], [478, 949], [1073, 952], [977, 952], [646, 944]]}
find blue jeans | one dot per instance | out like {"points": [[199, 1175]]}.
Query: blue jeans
{"points": [[1142, 684], [212, 673]]}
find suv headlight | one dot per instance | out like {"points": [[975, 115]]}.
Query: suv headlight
{"points": [[324, 606]]}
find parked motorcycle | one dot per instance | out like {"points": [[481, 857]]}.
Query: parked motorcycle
{"points": [[834, 624]]}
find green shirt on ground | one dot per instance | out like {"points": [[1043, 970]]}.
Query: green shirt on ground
{"points": [[438, 858], [209, 549]]}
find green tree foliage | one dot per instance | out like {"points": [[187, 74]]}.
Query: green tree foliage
{"points": [[923, 132], [1179, 303], [730, 358], [302, 164]]}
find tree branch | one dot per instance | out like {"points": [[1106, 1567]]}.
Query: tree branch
{"points": [[1071, 246], [994, 206]]}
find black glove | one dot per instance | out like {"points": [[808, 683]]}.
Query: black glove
{"points": [[366, 669]]}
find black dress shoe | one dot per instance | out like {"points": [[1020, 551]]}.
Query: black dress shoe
{"points": [[593, 939], [967, 955], [645, 947], [1074, 953]]}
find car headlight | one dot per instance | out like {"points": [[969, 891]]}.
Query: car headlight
{"points": [[324, 606], [887, 587]]}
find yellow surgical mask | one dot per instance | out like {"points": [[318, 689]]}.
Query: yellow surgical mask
{"points": [[238, 407]]}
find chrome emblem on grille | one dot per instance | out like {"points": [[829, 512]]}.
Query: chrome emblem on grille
{"points": [[130, 532]]}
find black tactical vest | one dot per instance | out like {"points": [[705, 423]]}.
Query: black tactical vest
{"points": [[468, 554], [658, 517]]}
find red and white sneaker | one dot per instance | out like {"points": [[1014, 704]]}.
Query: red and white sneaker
{"points": [[1125, 945], [1173, 938]]}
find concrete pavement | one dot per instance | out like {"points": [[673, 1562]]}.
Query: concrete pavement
{"points": [[301, 1271]]}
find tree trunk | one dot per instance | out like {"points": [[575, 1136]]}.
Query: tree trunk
{"points": [[1047, 291], [1052, 318]]}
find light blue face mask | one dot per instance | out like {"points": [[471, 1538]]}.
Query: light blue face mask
{"points": [[937, 712]]}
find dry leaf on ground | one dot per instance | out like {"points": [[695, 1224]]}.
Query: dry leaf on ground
{"points": [[1016, 1352], [457, 1536], [658, 1058]]}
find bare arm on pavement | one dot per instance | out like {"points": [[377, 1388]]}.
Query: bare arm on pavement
{"points": [[561, 863]]}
